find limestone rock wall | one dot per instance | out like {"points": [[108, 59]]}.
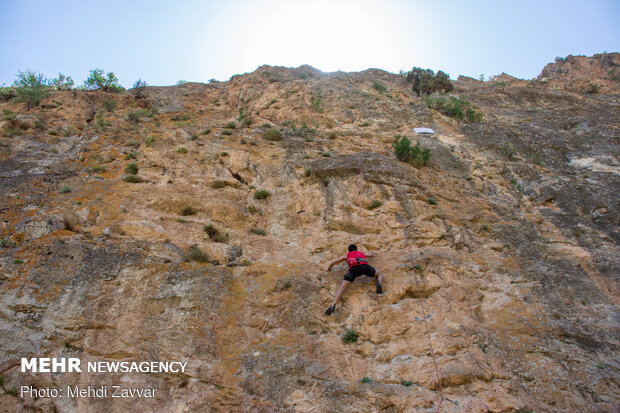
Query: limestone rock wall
{"points": [[511, 231]]}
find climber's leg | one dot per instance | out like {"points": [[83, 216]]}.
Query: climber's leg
{"points": [[379, 277], [345, 284]]}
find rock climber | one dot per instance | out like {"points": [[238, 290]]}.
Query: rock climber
{"points": [[357, 266]]}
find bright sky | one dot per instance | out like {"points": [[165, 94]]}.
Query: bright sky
{"points": [[162, 42]]}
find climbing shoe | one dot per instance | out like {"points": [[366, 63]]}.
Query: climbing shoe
{"points": [[379, 289], [330, 310]]}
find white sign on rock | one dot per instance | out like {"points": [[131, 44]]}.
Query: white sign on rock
{"points": [[423, 130]]}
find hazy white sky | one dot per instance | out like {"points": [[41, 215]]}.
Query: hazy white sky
{"points": [[166, 41]]}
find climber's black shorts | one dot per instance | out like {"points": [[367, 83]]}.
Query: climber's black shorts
{"points": [[357, 270]]}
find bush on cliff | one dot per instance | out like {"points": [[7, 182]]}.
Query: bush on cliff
{"points": [[457, 107], [427, 82], [97, 80], [415, 155], [30, 88]]}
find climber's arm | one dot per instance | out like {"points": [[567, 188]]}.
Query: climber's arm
{"points": [[331, 264]]}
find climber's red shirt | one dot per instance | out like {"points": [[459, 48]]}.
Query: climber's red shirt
{"points": [[356, 258]]}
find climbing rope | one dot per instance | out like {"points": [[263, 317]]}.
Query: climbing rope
{"points": [[415, 277], [359, 157], [417, 284]]}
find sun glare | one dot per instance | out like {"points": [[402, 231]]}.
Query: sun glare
{"points": [[330, 35]]}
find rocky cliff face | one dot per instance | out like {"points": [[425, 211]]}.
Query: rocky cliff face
{"points": [[586, 74], [511, 230]]}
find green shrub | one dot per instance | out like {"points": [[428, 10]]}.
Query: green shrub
{"points": [[244, 262], [271, 102], [8, 114], [349, 336], [259, 231], [205, 132], [134, 179], [110, 105], [272, 134], [365, 124], [95, 167], [432, 201], [149, 141], [508, 150], [315, 102], [457, 107], [6, 243], [326, 154], [414, 155], [332, 135], [136, 115], [195, 254], [181, 149], [226, 132], [11, 132], [62, 82], [7, 93], [218, 184], [303, 130], [98, 81], [365, 380], [252, 209], [38, 125], [188, 210], [139, 87], [215, 234], [221, 238], [131, 168], [379, 87], [307, 171], [262, 194], [211, 230], [101, 122], [65, 189], [230, 125], [427, 82], [406, 383], [374, 204], [30, 88], [593, 88]]}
